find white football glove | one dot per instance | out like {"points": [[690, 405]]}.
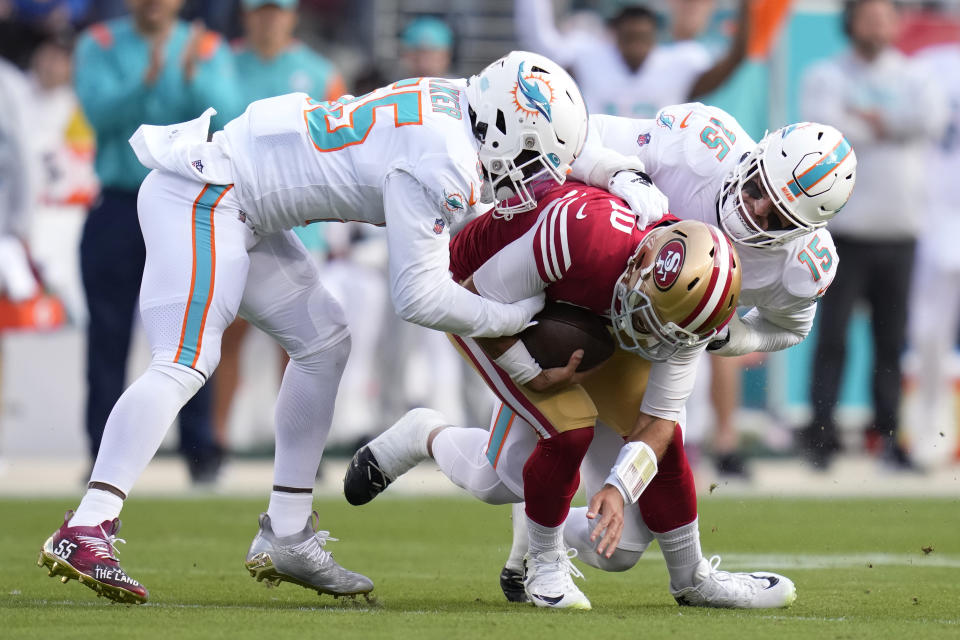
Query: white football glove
{"points": [[648, 203]]}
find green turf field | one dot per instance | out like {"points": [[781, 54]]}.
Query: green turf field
{"points": [[858, 564]]}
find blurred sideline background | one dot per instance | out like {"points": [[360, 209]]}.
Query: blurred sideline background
{"points": [[42, 343]]}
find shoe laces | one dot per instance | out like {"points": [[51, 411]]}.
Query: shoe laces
{"points": [[313, 547], [104, 548], [555, 570], [735, 584]]}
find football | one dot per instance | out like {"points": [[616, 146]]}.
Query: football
{"points": [[561, 329]]}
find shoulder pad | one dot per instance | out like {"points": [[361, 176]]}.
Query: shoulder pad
{"points": [[812, 262]]}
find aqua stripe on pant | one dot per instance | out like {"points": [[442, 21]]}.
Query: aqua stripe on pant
{"points": [[204, 270]]}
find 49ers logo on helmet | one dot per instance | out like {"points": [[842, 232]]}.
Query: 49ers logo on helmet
{"points": [[668, 264]]}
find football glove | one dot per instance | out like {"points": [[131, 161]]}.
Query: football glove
{"points": [[648, 203]]}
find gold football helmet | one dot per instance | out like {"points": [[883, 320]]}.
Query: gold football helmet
{"points": [[681, 286]]}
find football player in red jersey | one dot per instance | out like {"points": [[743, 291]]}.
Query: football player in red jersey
{"points": [[667, 291]]}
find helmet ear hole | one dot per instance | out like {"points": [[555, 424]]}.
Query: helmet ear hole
{"points": [[501, 122]]}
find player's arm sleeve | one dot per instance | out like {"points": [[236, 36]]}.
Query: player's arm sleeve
{"points": [[511, 274], [611, 146], [536, 30], [419, 261], [215, 84], [670, 384], [110, 102], [768, 330]]}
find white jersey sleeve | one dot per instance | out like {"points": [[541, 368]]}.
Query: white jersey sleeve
{"points": [[511, 274], [670, 384], [419, 260], [781, 288]]}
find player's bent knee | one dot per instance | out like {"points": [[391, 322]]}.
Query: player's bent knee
{"points": [[319, 358], [189, 380], [495, 494], [621, 560]]}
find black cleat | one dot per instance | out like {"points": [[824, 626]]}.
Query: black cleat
{"points": [[511, 582], [731, 464], [364, 480]]}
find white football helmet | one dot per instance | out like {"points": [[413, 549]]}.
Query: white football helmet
{"points": [[680, 288], [808, 171], [531, 122]]}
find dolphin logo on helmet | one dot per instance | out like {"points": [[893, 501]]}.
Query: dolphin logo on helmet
{"points": [[535, 100]]}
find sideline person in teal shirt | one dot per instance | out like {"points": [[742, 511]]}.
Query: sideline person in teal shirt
{"points": [[271, 62], [150, 68], [130, 73]]}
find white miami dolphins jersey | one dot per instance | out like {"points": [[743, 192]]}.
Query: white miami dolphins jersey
{"points": [[688, 150], [608, 85], [296, 160]]}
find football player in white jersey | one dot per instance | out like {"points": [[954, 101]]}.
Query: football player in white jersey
{"points": [[773, 199], [415, 156]]}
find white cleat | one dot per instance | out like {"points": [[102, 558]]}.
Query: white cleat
{"points": [[714, 588], [390, 455], [549, 582]]}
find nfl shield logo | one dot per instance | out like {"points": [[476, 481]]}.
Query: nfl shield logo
{"points": [[642, 139], [197, 165], [438, 226]]}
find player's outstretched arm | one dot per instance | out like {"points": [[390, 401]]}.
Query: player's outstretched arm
{"points": [[720, 72], [419, 262]]}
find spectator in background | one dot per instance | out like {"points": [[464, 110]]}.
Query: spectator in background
{"points": [[890, 111], [629, 74], [427, 48], [63, 143], [18, 182], [934, 317], [151, 68], [269, 61]]}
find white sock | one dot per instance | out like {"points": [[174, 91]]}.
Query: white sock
{"points": [[520, 541], [544, 538], [96, 506], [289, 512], [139, 421], [681, 550], [304, 413]]}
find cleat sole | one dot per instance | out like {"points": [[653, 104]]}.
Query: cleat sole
{"points": [[63, 569], [261, 568]]}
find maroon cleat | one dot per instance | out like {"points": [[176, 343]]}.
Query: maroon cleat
{"points": [[88, 554]]}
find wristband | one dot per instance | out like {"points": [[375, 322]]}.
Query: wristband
{"points": [[635, 468], [518, 363]]}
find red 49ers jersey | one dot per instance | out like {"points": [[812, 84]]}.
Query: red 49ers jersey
{"points": [[576, 243]]}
